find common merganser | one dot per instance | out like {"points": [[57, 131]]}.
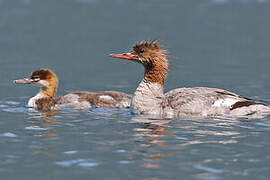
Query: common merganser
{"points": [[45, 100], [149, 97]]}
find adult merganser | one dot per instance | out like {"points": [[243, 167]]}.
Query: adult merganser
{"points": [[149, 97], [45, 100]]}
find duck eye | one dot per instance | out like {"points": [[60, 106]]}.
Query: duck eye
{"points": [[141, 50], [35, 79]]}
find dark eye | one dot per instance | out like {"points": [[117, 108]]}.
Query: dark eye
{"points": [[141, 50], [35, 78]]}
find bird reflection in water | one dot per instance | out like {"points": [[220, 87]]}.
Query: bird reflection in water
{"points": [[46, 122], [151, 132], [43, 124]]}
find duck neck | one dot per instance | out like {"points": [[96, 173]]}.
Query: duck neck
{"points": [[156, 73], [148, 98], [49, 91]]}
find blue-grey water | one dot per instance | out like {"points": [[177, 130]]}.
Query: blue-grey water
{"points": [[215, 43]]}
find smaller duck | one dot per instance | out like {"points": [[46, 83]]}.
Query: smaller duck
{"points": [[45, 100]]}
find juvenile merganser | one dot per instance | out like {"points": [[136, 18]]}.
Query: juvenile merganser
{"points": [[149, 97], [45, 100]]}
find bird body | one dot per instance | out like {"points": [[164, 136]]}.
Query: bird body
{"points": [[149, 97], [45, 100]]}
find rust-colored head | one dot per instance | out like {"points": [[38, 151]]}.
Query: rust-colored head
{"points": [[153, 58], [45, 78]]}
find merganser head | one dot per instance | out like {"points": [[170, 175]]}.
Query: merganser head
{"points": [[152, 57], [45, 78]]}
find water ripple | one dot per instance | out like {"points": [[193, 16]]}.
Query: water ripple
{"points": [[15, 109], [86, 163], [9, 134], [35, 128], [70, 152], [121, 151], [125, 162], [209, 169]]}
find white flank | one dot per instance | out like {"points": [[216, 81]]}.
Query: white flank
{"points": [[225, 102], [106, 98]]}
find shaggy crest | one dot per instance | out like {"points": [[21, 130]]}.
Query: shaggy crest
{"points": [[153, 45]]}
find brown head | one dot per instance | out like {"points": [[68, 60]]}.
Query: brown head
{"points": [[152, 57], [45, 78]]}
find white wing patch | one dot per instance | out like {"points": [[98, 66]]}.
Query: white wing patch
{"points": [[106, 98], [228, 102]]}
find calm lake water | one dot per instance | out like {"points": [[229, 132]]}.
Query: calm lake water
{"points": [[214, 43]]}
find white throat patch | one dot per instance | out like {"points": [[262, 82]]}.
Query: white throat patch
{"points": [[43, 83]]}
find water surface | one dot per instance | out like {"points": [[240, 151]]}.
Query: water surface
{"points": [[214, 43]]}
